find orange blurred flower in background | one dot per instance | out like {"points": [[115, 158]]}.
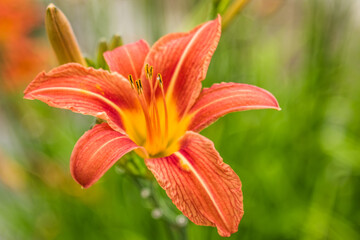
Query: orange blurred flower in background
{"points": [[22, 55]]}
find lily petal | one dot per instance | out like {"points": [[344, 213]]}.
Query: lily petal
{"points": [[85, 90], [128, 59], [96, 151], [223, 98], [183, 60], [200, 184]]}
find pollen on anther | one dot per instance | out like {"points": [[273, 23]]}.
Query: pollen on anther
{"points": [[147, 70], [131, 80], [139, 87], [159, 78], [151, 71]]}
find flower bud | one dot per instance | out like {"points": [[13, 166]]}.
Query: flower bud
{"points": [[102, 47], [116, 41], [62, 37]]}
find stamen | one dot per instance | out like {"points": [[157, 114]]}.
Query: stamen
{"points": [[145, 109], [152, 89], [159, 78], [147, 70], [151, 71], [131, 80], [155, 111], [150, 109], [157, 118], [140, 87], [137, 87]]}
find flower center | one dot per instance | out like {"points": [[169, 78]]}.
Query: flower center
{"points": [[155, 125]]}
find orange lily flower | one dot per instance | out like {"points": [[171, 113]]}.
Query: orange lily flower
{"points": [[159, 117]]}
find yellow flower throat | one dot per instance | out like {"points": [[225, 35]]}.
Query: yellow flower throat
{"points": [[155, 124]]}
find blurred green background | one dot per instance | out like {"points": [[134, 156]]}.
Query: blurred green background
{"points": [[300, 167]]}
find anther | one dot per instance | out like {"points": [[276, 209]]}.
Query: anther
{"points": [[147, 70], [131, 80], [151, 71], [159, 78], [139, 87]]}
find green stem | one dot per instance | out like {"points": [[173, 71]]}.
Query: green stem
{"points": [[156, 201], [232, 11]]}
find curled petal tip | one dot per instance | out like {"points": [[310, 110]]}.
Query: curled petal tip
{"points": [[200, 184], [96, 151], [30, 87], [223, 98], [277, 106]]}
